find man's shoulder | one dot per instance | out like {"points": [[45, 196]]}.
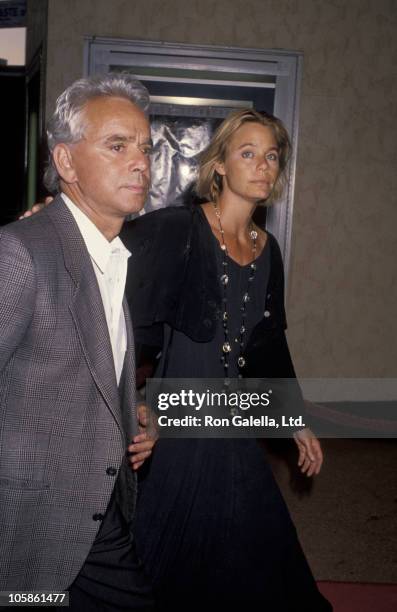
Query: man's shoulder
{"points": [[26, 246], [40, 233], [31, 231]]}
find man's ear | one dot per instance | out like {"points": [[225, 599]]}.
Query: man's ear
{"points": [[63, 161]]}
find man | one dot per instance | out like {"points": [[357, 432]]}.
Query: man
{"points": [[67, 380]]}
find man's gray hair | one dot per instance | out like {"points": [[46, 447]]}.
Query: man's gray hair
{"points": [[66, 124]]}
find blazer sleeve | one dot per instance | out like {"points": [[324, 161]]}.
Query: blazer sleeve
{"points": [[17, 293]]}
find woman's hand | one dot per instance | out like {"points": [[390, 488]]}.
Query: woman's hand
{"points": [[310, 454], [36, 208], [143, 443]]}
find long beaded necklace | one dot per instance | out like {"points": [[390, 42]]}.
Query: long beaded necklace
{"points": [[227, 346]]}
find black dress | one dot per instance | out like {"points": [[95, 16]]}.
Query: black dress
{"points": [[212, 528]]}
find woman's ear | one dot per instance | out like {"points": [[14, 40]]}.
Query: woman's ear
{"points": [[219, 167], [63, 161]]}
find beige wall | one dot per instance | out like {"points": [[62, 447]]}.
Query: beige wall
{"points": [[342, 298]]}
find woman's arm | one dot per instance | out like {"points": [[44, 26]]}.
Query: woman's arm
{"points": [[268, 356]]}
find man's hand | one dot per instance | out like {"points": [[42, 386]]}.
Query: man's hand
{"points": [[143, 443], [310, 454], [36, 208]]}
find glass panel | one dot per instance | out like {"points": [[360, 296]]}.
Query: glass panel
{"points": [[177, 141]]}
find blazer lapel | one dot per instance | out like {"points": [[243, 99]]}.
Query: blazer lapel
{"points": [[86, 307], [89, 317]]}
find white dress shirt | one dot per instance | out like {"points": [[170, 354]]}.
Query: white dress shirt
{"points": [[109, 260]]}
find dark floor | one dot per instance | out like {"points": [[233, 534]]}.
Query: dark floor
{"points": [[347, 517]]}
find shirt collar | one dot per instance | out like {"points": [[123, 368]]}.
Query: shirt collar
{"points": [[97, 245]]}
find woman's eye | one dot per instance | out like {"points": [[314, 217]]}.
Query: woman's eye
{"points": [[247, 154], [272, 157], [117, 147]]}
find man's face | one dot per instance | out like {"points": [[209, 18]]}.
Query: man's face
{"points": [[111, 162]]}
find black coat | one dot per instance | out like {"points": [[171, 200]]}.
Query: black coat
{"points": [[172, 279]]}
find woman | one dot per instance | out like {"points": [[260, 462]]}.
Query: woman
{"points": [[206, 286]]}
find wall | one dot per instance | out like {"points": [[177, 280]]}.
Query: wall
{"points": [[36, 18], [343, 283]]}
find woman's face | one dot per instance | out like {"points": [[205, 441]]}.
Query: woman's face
{"points": [[251, 164]]}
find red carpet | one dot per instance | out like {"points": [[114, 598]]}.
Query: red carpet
{"points": [[356, 597]]}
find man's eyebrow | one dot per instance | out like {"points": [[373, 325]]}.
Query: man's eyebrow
{"points": [[121, 138]]}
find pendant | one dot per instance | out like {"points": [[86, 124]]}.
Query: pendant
{"points": [[254, 234]]}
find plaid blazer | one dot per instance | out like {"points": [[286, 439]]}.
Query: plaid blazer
{"points": [[63, 430]]}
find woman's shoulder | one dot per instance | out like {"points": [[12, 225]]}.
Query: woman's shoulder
{"points": [[275, 251], [272, 240], [165, 224], [166, 215]]}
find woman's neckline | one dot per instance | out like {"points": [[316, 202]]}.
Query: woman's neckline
{"points": [[219, 246]]}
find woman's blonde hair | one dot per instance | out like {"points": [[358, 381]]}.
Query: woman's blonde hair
{"points": [[209, 182]]}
